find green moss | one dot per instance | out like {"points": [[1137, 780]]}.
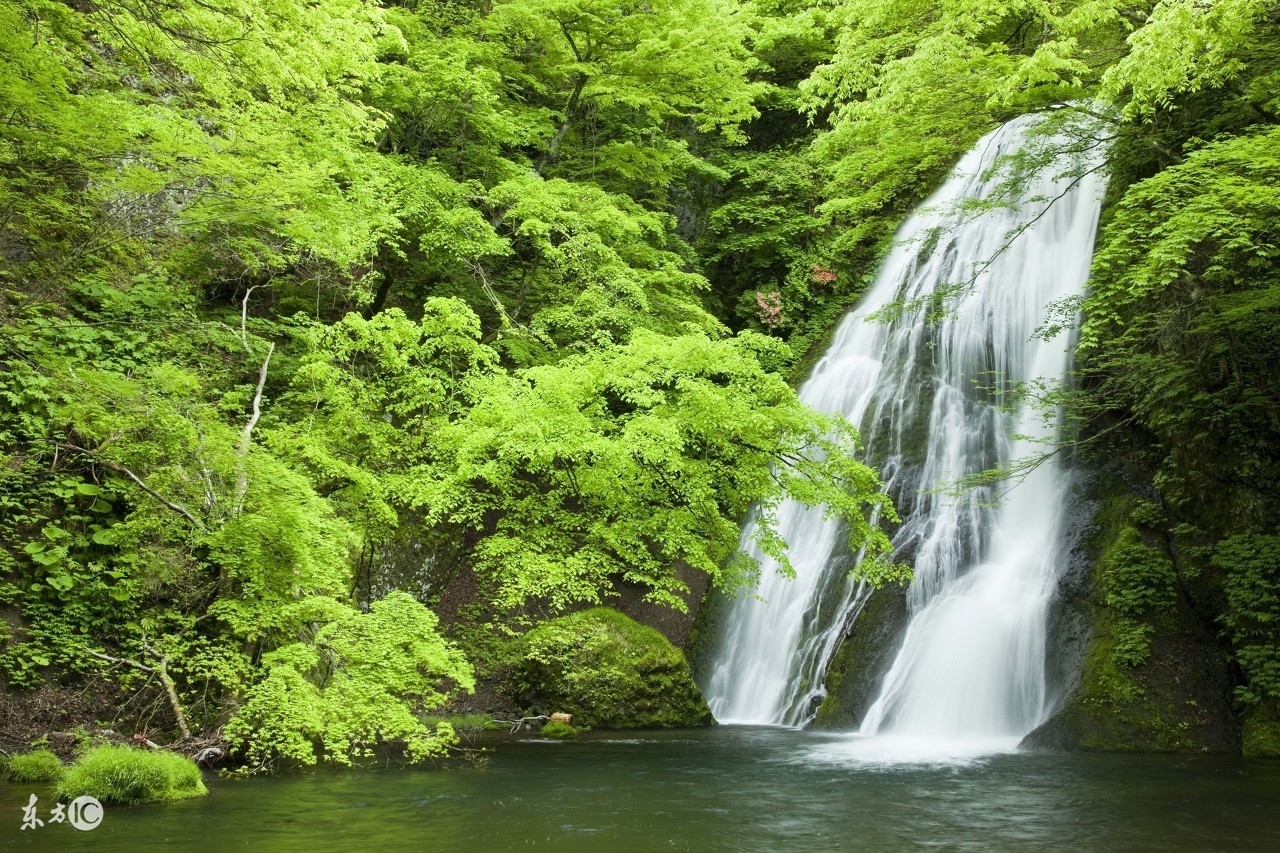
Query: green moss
{"points": [[1122, 706], [1122, 715], [1260, 731], [118, 774], [608, 671], [40, 765], [558, 730]]}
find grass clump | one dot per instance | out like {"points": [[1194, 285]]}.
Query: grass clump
{"points": [[41, 765], [559, 731], [120, 774]]}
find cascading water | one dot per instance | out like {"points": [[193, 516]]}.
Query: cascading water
{"points": [[932, 392]]}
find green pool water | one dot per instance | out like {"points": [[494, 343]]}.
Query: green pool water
{"points": [[731, 789]]}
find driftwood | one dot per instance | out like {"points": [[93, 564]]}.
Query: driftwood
{"points": [[523, 722], [526, 723], [207, 755]]}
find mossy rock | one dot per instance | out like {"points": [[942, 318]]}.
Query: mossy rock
{"points": [[1152, 679], [40, 765], [609, 671], [119, 774]]}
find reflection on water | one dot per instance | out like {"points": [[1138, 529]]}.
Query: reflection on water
{"points": [[720, 789]]}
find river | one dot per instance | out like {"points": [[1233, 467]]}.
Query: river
{"points": [[726, 788]]}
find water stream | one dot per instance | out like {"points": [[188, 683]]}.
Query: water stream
{"points": [[973, 275]]}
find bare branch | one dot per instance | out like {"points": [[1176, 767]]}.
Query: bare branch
{"points": [[242, 476], [244, 317], [523, 722], [162, 671], [120, 469]]}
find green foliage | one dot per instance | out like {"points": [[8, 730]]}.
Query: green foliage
{"points": [[913, 85], [1185, 287], [608, 671], [1251, 563], [1185, 47], [1181, 371], [629, 70], [1131, 643], [363, 679], [119, 774], [626, 460], [1138, 579], [40, 765]]}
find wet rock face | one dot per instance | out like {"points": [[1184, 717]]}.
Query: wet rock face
{"points": [[1176, 700], [872, 641], [1070, 625], [865, 655]]}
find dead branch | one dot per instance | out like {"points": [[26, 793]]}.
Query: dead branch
{"points": [[244, 316], [120, 469], [523, 722], [161, 672], [242, 476]]}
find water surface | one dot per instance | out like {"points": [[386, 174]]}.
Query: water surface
{"points": [[729, 788]]}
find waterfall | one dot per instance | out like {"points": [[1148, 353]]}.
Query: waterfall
{"points": [[934, 393]]}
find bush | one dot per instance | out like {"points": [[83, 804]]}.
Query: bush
{"points": [[1252, 585], [609, 671], [119, 774], [38, 766]]}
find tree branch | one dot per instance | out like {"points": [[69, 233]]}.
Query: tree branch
{"points": [[242, 476], [162, 672], [244, 315], [120, 469]]}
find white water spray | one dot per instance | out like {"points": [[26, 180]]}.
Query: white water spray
{"points": [[931, 392]]}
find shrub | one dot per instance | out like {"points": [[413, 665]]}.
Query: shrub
{"points": [[120, 774], [1252, 585], [1139, 580], [362, 680], [38, 766]]}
